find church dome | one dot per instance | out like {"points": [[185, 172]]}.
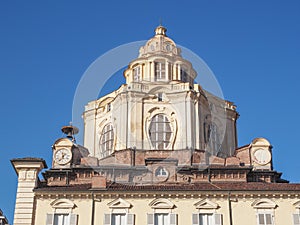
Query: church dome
{"points": [[159, 44], [160, 60]]}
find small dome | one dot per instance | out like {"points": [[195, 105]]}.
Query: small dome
{"points": [[160, 30], [160, 44]]}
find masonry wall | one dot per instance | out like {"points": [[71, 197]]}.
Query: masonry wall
{"points": [[243, 211]]}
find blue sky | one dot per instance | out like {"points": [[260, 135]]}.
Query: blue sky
{"points": [[252, 47]]}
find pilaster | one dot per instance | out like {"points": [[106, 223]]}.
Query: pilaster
{"points": [[27, 170]]}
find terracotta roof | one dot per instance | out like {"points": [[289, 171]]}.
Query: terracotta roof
{"points": [[229, 186]]}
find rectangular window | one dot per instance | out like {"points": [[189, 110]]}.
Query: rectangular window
{"points": [[184, 75], [170, 70], [137, 73], [119, 219], [160, 71], [61, 219], [207, 219], [296, 219], [265, 219], [162, 219], [160, 97]]}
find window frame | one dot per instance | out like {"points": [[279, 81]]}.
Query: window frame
{"points": [[264, 213], [160, 71], [72, 218], [171, 218], [106, 142], [157, 136], [214, 217], [129, 218], [136, 74], [294, 217]]}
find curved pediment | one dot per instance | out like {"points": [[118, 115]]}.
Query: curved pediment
{"points": [[264, 204], [161, 203], [63, 203], [119, 203], [206, 204], [297, 204]]}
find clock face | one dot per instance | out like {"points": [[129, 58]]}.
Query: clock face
{"points": [[262, 156], [63, 156]]}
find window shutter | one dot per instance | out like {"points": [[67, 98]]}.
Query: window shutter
{"points": [[195, 219], [296, 219], [130, 219], [173, 219], [150, 219], [107, 218], [50, 219], [73, 219], [218, 219], [261, 219]]}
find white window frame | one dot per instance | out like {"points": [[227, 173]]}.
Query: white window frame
{"points": [[264, 213], [71, 219], [160, 71], [156, 133], [171, 218], [108, 218], [137, 73], [216, 218]]}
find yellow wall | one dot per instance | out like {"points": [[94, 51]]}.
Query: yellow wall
{"points": [[242, 211]]}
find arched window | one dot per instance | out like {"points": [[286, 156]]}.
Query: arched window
{"points": [[214, 137], [161, 172], [211, 136], [160, 131], [106, 141]]}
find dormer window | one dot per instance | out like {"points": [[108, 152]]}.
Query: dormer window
{"points": [[160, 71], [137, 74]]}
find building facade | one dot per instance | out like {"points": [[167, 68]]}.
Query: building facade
{"points": [[159, 150]]}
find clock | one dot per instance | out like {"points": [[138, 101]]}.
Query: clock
{"points": [[63, 156], [262, 156]]}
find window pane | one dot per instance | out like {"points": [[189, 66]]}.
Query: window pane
{"points": [[206, 219], [160, 131], [106, 141], [161, 219], [118, 219], [268, 219], [61, 219], [261, 219], [160, 71]]}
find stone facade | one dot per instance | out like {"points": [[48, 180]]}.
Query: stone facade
{"points": [[160, 150]]}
